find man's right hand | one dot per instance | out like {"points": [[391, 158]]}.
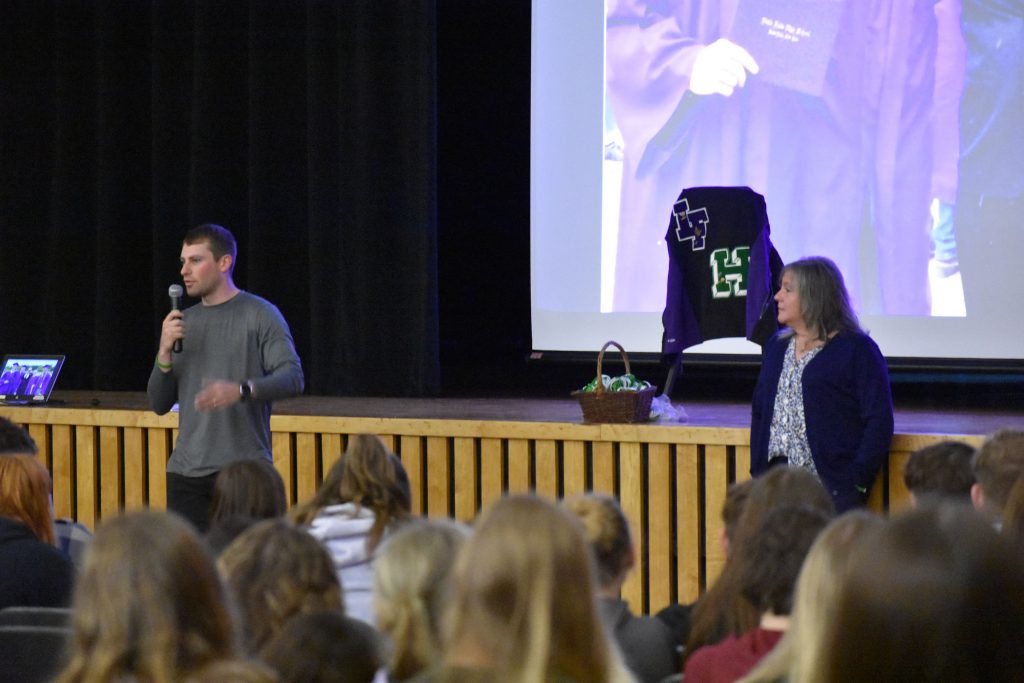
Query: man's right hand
{"points": [[173, 329]]}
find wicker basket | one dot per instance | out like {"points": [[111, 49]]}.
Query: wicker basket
{"points": [[601, 405]]}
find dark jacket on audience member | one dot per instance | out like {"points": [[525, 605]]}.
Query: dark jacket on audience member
{"points": [[32, 573], [647, 646]]}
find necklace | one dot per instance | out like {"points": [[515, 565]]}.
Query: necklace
{"points": [[803, 345]]}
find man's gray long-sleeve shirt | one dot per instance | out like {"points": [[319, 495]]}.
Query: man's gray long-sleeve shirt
{"points": [[243, 339]]}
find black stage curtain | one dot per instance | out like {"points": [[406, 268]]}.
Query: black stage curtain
{"points": [[307, 128]]}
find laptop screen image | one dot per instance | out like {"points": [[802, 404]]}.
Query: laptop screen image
{"points": [[28, 378]]}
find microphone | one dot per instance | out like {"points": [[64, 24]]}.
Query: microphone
{"points": [[175, 292]]}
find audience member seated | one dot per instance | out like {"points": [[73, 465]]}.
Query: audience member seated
{"points": [[723, 610], [245, 492], [275, 570], [771, 564], [33, 572], [324, 647], [998, 464], [72, 537], [936, 594], [14, 440], [941, 470], [148, 605], [411, 586], [1013, 513], [677, 617], [360, 500], [646, 643], [823, 572], [524, 605]]}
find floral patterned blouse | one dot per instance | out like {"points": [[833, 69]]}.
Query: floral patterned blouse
{"points": [[788, 435]]}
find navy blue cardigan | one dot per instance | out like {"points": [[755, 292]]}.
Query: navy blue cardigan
{"points": [[847, 408]]}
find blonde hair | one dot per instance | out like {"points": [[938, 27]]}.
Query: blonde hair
{"points": [[148, 605], [365, 476], [410, 587], [524, 597], [276, 570], [607, 531], [25, 494], [795, 658]]}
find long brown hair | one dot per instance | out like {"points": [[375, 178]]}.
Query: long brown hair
{"points": [[723, 610], [148, 605], [795, 658], [936, 594], [365, 476], [524, 597], [25, 494], [251, 489], [274, 571]]}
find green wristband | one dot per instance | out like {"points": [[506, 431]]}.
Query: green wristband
{"points": [[162, 366]]}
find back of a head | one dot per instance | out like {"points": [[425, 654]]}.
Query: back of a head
{"points": [[275, 570], [25, 494], [942, 470], [367, 474], [782, 485], [148, 604], [607, 531], [796, 657], [775, 554], [735, 502], [997, 465], [324, 647], [411, 583], [1013, 513], [935, 594], [524, 595], [723, 609], [248, 488], [15, 440]]}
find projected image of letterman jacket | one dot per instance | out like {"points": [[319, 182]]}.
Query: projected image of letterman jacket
{"points": [[723, 269]]}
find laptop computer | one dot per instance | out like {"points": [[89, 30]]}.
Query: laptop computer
{"points": [[28, 379]]}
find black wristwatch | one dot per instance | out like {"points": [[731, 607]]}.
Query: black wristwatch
{"points": [[245, 391]]}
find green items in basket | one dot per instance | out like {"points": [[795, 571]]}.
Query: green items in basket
{"points": [[627, 382]]}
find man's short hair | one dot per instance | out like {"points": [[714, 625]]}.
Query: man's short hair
{"points": [[15, 440], [219, 238], [998, 464], [942, 469]]}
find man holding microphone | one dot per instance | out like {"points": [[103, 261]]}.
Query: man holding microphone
{"points": [[236, 357]]}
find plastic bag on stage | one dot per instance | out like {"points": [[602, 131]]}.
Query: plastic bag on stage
{"points": [[662, 409]]}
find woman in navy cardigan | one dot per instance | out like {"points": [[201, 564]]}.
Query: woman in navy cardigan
{"points": [[822, 399]]}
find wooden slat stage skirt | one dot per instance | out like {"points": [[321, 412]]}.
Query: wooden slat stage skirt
{"points": [[107, 452]]}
